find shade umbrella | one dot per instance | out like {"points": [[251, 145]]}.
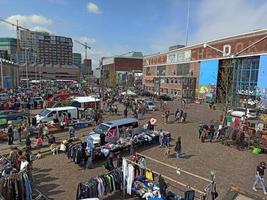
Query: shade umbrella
{"points": [[153, 121]]}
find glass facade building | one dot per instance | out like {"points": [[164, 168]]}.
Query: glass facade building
{"points": [[245, 75]]}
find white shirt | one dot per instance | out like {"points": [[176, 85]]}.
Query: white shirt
{"points": [[23, 164]]}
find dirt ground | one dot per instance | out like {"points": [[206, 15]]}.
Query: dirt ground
{"points": [[57, 177]]}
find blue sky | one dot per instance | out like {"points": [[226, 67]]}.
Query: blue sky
{"points": [[114, 27]]}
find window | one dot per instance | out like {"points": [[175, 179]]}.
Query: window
{"points": [[183, 69], [148, 72], [161, 70]]}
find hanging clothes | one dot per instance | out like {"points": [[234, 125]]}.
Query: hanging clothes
{"points": [[149, 175], [189, 195], [130, 178], [16, 186], [100, 186], [124, 169]]}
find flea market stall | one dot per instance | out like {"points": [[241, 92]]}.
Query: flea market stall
{"points": [[99, 152], [136, 179]]}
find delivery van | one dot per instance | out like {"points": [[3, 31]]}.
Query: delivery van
{"points": [[47, 114], [113, 129]]}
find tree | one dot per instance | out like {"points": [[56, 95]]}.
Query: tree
{"points": [[225, 86], [112, 79]]}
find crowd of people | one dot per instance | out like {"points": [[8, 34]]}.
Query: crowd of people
{"points": [[20, 160]]}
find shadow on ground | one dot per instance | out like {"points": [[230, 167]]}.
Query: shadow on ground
{"points": [[43, 182]]}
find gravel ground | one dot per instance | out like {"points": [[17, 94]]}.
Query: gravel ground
{"points": [[57, 177]]}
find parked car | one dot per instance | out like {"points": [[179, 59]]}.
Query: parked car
{"points": [[165, 97], [38, 100], [149, 105], [144, 93], [239, 112], [12, 115]]}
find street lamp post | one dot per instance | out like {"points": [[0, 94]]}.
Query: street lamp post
{"points": [[26, 65], [2, 75]]}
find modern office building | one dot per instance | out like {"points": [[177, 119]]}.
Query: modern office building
{"points": [[119, 69], [49, 72], [240, 59], [8, 48], [55, 50], [10, 77], [43, 48], [77, 59], [86, 67]]}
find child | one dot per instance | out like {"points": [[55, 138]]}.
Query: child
{"points": [[167, 151]]}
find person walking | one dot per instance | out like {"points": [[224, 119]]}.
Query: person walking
{"points": [[109, 163], [10, 134], [89, 159], [71, 132], [20, 132], [45, 131], [125, 112], [211, 132], [161, 138], [177, 115], [259, 177], [178, 147]]}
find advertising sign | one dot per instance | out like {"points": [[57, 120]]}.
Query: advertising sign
{"points": [[179, 57]]}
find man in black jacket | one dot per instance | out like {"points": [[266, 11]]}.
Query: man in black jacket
{"points": [[109, 163], [259, 177]]}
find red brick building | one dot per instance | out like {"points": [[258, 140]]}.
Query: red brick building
{"points": [[194, 71], [116, 70]]}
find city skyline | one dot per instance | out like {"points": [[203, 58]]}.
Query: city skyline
{"points": [[116, 27]]}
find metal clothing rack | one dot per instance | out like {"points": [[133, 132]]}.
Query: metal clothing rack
{"points": [[202, 193], [211, 182]]}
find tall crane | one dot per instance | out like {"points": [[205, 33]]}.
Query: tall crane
{"points": [[18, 27], [85, 46]]}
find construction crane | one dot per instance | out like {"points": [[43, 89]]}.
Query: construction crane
{"points": [[85, 46], [17, 29]]}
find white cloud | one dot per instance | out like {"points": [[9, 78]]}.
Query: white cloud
{"points": [[87, 40], [93, 8], [32, 22], [223, 18], [211, 20]]}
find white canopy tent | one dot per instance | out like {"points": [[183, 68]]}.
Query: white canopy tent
{"points": [[129, 92]]}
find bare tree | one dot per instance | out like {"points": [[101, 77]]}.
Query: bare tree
{"points": [[225, 83], [112, 79]]}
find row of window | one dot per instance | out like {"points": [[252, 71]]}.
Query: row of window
{"points": [[179, 81], [173, 92]]}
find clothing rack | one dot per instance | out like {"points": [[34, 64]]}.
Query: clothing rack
{"points": [[108, 173], [211, 181], [166, 177], [176, 168]]}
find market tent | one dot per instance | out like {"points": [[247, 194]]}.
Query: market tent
{"points": [[86, 99], [129, 92]]}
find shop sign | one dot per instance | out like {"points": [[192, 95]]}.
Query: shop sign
{"points": [[179, 57], [245, 92]]}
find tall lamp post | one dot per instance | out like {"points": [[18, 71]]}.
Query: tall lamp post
{"points": [[2, 75], [26, 66]]}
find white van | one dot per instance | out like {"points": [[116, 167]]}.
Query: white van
{"points": [[112, 129], [46, 115]]}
